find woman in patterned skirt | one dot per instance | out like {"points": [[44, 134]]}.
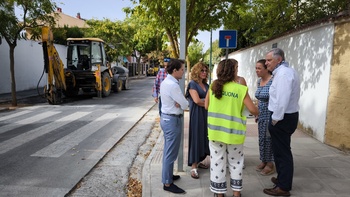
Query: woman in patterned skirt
{"points": [[227, 128], [266, 167]]}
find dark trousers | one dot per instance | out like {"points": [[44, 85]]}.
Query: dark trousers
{"points": [[281, 138]]}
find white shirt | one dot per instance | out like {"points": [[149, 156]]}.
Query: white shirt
{"points": [[284, 92], [170, 94]]}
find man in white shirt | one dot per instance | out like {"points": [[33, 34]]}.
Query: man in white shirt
{"points": [[173, 105], [283, 103]]}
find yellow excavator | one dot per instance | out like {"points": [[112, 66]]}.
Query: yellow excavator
{"points": [[88, 69]]}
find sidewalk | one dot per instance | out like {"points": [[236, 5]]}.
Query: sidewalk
{"points": [[320, 170], [6, 98]]}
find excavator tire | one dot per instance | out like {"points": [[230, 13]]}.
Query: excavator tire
{"points": [[106, 84], [118, 86], [126, 84]]}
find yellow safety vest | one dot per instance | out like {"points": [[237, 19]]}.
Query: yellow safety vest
{"points": [[226, 123]]}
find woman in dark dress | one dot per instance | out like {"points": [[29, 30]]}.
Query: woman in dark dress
{"points": [[198, 147]]}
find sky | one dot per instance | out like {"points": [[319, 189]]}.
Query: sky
{"points": [[112, 9]]}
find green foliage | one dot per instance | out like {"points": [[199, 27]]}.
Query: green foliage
{"points": [[34, 13], [216, 54], [124, 37], [259, 20], [60, 35], [201, 15], [116, 34], [156, 56], [147, 36], [195, 52]]}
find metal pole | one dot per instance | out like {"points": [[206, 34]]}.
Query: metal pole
{"points": [[180, 158], [227, 44], [226, 53], [210, 56]]}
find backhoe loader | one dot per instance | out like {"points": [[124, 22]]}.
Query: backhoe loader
{"points": [[87, 69]]}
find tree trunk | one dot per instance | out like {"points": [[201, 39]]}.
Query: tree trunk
{"points": [[13, 79], [188, 69], [139, 68]]}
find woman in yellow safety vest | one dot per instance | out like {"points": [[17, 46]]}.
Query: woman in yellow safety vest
{"points": [[227, 127]]}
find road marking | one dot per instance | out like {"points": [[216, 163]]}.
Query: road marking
{"points": [[26, 121], [14, 115], [59, 147], [35, 133], [28, 189], [80, 106]]}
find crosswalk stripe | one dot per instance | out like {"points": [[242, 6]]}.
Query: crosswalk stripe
{"points": [[40, 131], [62, 145], [29, 120], [14, 115]]}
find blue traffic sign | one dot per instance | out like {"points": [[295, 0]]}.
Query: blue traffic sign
{"points": [[228, 39]]}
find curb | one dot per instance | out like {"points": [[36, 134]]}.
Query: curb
{"points": [[146, 170], [4, 109]]}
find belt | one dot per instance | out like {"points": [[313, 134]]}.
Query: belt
{"points": [[175, 115]]}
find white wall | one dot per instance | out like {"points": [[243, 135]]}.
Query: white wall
{"points": [[310, 53], [29, 64]]}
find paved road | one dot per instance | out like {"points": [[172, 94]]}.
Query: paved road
{"points": [[45, 150]]}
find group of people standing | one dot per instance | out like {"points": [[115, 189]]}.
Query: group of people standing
{"points": [[217, 126]]}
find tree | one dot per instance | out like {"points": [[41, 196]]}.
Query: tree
{"points": [[147, 37], [129, 37], [61, 34], [216, 54], [195, 53], [259, 20], [33, 14], [201, 15], [116, 34]]}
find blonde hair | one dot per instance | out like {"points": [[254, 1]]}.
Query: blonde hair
{"points": [[196, 72]]}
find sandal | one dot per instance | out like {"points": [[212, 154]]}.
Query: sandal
{"points": [[260, 167], [194, 173], [203, 166], [268, 170]]}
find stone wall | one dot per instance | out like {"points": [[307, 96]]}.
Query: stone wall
{"points": [[338, 115]]}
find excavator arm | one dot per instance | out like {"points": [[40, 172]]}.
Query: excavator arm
{"points": [[54, 69]]}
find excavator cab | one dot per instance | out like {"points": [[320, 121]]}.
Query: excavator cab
{"points": [[84, 53]]}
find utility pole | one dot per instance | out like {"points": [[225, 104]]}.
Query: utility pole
{"points": [[183, 36]]}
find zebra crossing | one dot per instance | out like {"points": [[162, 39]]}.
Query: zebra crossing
{"points": [[26, 121], [64, 144], [46, 150], [40, 131], [50, 120]]}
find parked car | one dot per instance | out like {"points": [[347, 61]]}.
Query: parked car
{"points": [[123, 76]]}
